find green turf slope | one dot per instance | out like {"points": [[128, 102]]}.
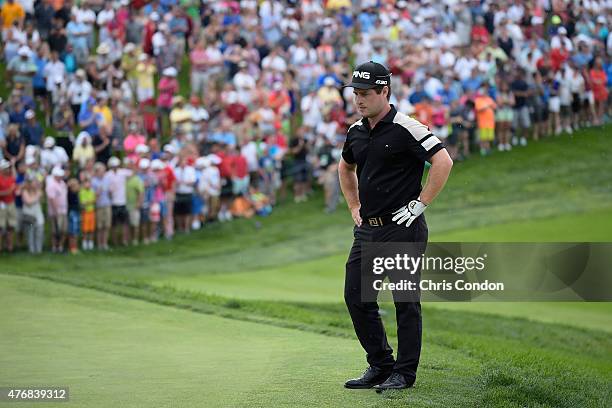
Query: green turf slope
{"points": [[116, 352]]}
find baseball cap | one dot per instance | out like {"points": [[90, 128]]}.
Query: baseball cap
{"points": [[370, 75], [4, 164], [57, 171], [202, 162], [170, 149], [49, 142], [157, 164], [144, 164], [142, 149], [170, 71], [114, 162], [24, 51]]}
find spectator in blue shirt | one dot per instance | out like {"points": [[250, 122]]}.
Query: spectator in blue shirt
{"points": [[31, 130], [418, 95], [473, 83], [88, 119]]}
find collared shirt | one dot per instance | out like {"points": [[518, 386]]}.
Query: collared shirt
{"points": [[117, 181], [390, 160], [57, 196], [101, 187]]}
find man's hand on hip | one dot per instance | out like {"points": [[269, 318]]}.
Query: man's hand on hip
{"points": [[409, 213]]}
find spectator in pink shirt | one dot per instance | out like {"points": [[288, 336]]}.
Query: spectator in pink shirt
{"points": [[199, 66], [132, 140], [57, 208], [168, 87]]}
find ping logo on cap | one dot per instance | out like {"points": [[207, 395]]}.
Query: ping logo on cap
{"points": [[361, 74]]}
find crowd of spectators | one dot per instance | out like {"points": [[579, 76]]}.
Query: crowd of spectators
{"points": [[126, 121]]}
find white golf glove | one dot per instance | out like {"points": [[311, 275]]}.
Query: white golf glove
{"points": [[409, 213]]}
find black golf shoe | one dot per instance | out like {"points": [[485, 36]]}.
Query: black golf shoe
{"points": [[396, 381], [371, 376]]}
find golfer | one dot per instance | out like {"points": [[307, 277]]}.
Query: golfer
{"points": [[382, 164]]}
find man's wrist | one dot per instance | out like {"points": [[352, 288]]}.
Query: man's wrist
{"points": [[423, 201]]}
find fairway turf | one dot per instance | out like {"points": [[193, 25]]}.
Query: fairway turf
{"points": [[116, 352], [113, 351], [260, 305]]}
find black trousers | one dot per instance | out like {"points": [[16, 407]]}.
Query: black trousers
{"points": [[365, 316]]}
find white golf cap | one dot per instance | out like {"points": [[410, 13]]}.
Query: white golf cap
{"points": [[154, 16], [31, 150], [144, 164], [142, 57], [29, 114], [114, 162], [202, 162], [329, 81], [58, 172], [30, 160], [562, 30], [170, 149], [129, 47], [83, 134], [24, 51], [103, 49], [4, 164], [80, 73], [214, 159], [170, 71], [49, 142], [601, 20], [157, 164], [141, 149]]}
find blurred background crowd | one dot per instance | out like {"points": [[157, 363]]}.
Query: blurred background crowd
{"points": [[125, 121]]}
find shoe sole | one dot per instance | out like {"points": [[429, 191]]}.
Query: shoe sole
{"points": [[380, 390], [358, 387], [361, 387]]}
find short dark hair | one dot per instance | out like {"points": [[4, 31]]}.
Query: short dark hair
{"points": [[378, 90]]}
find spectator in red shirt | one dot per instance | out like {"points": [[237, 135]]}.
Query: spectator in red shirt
{"points": [[240, 173], [479, 31], [237, 111], [558, 56], [8, 213], [167, 180], [225, 172]]}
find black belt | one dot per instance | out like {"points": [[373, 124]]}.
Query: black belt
{"points": [[379, 221]]}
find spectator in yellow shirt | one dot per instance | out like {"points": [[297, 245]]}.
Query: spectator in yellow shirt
{"points": [[11, 12]]}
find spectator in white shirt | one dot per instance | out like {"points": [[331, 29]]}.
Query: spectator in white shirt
{"points": [[561, 38], [185, 186], [79, 91], [117, 179], [52, 155], [210, 185]]}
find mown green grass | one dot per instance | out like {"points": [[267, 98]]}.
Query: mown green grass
{"points": [[285, 272]]}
